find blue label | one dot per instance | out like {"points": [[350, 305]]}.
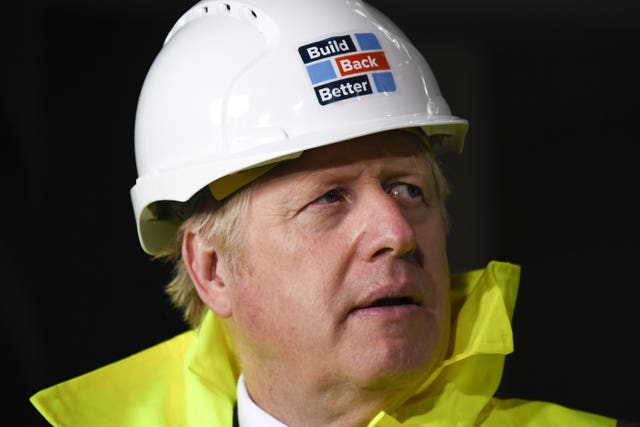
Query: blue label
{"points": [[368, 41], [384, 82], [321, 72], [347, 66]]}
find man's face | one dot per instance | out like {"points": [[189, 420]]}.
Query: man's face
{"points": [[346, 279]]}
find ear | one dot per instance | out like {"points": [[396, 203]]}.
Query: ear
{"points": [[206, 272]]}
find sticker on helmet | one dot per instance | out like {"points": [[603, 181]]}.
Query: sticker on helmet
{"points": [[340, 68]]}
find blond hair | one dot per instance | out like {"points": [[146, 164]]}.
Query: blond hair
{"points": [[219, 221]]}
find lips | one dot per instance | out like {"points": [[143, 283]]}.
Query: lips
{"points": [[387, 302], [386, 299]]}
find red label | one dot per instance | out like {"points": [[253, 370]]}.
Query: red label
{"points": [[362, 63]]}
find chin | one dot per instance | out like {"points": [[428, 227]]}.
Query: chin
{"points": [[397, 366]]}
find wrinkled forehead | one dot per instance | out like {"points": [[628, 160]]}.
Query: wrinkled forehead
{"points": [[383, 145], [386, 148]]}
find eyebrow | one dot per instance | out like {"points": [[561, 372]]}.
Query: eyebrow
{"points": [[417, 165]]}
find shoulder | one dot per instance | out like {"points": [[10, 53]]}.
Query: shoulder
{"points": [[513, 412], [121, 392]]}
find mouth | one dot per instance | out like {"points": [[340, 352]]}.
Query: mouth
{"points": [[392, 301], [388, 307]]}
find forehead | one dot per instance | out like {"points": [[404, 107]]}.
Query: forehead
{"points": [[391, 148]]}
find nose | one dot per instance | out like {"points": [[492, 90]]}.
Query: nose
{"points": [[385, 229]]}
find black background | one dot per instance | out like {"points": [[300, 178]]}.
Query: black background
{"points": [[548, 181]]}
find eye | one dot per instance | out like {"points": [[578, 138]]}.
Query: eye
{"points": [[405, 191], [332, 196]]}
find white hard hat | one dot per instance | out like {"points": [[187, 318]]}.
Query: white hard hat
{"points": [[241, 85]]}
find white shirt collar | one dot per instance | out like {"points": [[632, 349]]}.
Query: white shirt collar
{"points": [[250, 414]]}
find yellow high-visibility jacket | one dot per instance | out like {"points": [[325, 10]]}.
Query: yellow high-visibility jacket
{"points": [[190, 380]]}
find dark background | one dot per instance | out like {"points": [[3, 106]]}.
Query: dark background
{"points": [[548, 181]]}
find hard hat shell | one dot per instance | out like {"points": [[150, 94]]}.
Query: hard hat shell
{"points": [[239, 85]]}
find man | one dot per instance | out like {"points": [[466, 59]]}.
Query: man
{"points": [[287, 159]]}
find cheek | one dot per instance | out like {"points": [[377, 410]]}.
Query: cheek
{"points": [[268, 303], [279, 307], [291, 287], [250, 308], [273, 326], [257, 323], [432, 241]]}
